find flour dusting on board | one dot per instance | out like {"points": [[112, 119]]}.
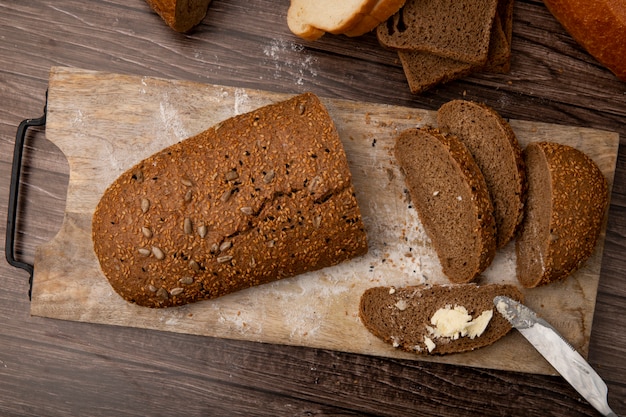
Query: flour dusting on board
{"points": [[171, 121], [241, 102], [290, 57]]}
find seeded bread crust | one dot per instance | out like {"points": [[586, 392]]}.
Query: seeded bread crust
{"points": [[451, 198], [495, 148], [256, 198], [401, 316], [442, 27], [567, 202]]}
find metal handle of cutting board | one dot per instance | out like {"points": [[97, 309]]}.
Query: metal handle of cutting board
{"points": [[16, 171]]}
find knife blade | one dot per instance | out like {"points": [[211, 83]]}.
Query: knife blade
{"points": [[558, 352]]}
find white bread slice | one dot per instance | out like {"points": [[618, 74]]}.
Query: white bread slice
{"points": [[382, 11], [311, 19]]}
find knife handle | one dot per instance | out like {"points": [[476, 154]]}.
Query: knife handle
{"points": [[16, 171]]}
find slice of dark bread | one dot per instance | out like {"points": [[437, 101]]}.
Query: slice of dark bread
{"points": [[258, 197], [493, 144], [451, 198], [402, 317], [565, 210], [499, 56], [505, 13], [457, 29], [425, 70]]}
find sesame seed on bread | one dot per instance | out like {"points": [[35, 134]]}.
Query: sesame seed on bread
{"points": [[565, 210], [452, 201]]}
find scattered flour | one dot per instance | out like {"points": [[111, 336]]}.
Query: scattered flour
{"points": [[291, 58]]}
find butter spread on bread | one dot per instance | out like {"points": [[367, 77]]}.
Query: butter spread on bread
{"points": [[403, 317]]}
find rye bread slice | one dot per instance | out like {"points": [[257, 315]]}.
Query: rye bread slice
{"points": [[402, 316], [454, 29], [565, 210], [258, 197], [505, 16], [451, 198], [424, 70], [493, 144]]}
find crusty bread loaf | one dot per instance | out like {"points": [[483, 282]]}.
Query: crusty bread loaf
{"points": [[311, 19], [598, 26], [455, 29], [403, 317], [451, 198], [180, 15], [258, 197], [493, 144], [565, 209]]}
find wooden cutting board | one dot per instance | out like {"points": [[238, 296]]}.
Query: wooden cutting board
{"points": [[105, 123]]}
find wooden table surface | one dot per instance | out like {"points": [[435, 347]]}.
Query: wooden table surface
{"points": [[63, 368]]}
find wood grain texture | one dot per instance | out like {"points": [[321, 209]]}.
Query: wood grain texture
{"points": [[54, 367]]}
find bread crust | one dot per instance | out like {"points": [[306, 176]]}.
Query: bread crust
{"points": [[564, 217], [598, 26], [259, 197]]}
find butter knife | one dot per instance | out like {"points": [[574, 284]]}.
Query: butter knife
{"points": [[558, 352]]}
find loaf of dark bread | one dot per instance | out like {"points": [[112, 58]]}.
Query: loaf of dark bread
{"points": [[565, 210], [259, 197], [452, 201], [494, 146], [405, 317]]}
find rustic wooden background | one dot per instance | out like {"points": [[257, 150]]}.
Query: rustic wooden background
{"points": [[53, 367]]}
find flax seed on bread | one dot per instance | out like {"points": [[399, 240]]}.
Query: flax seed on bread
{"points": [[451, 198], [493, 144], [402, 317], [259, 197], [565, 209]]}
